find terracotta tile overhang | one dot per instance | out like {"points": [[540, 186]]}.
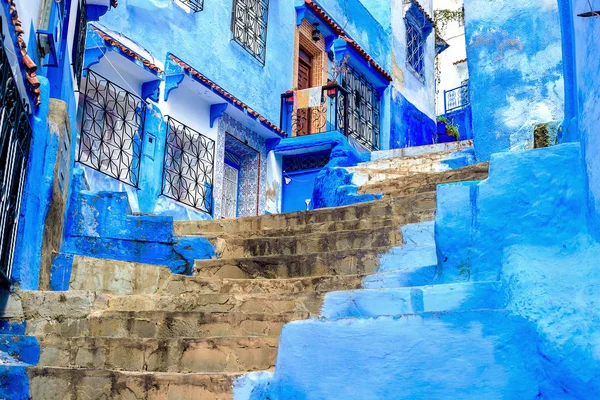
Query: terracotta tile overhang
{"points": [[420, 7], [32, 82], [460, 61], [226, 95], [322, 14], [126, 50]]}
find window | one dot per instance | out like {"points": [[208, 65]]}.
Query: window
{"points": [[249, 26], [194, 5], [364, 115], [415, 44]]}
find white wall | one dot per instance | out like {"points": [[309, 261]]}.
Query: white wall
{"points": [[451, 75]]}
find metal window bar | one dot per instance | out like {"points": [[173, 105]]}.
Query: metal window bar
{"points": [[364, 109], [194, 5], [329, 116], [112, 129], [249, 26], [415, 49], [188, 171], [456, 99], [79, 51], [15, 138]]}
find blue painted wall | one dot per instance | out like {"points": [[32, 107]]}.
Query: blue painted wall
{"points": [[204, 37], [410, 126], [516, 77], [581, 48]]}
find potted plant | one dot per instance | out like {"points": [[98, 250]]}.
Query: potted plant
{"points": [[446, 130], [337, 68]]}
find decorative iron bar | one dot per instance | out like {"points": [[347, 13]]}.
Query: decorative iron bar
{"points": [[305, 162], [456, 99], [249, 26], [194, 5], [79, 51], [15, 137], [188, 172], [415, 44], [112, 129], [364, 109], [329, 116]]}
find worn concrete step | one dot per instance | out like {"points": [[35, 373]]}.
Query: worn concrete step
{"points": [[408, 256], [296, 222], [180, 284], [426, 182], [77, 304], [163, 324], [183, 355], [347, 262], [51, 383], [309, 243], [420, 151], [372, 303], [270, 303], [124, 278], [484, 354]]}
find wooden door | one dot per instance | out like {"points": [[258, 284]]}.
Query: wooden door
{"points": [[304, 82]]}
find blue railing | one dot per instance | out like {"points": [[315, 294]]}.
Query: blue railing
{"points": [[456, 99]]}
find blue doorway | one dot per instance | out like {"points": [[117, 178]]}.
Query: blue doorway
{"points": [[299, 174]]}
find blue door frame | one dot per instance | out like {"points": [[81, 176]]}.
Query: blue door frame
{"points": [[237, 200]]}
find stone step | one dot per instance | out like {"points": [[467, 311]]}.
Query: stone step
{"points": [[15, 349], [180, 284], [401, 208], [163, 324], [153, 279], [51, 383], [184, 355], [347, 262], [426, 182], [420, 151], [309, 243], [270, 303], [484, 354], [372, 303], [408, 256]]}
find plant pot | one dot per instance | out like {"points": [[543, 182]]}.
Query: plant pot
{"points": [[443, 138], [331, 93], [441, 128]]}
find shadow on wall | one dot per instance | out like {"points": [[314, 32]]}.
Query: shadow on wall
{"points": [[409, 127], [101, 225]]}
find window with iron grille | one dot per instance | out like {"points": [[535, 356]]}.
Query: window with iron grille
{"points": [[112, 129], [364, 105], [306, 161], [415, 48], [78, 52], [249, 26], [188, 171], [194, 5]]}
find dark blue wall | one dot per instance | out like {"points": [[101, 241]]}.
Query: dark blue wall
{"points": [[409, 127]]}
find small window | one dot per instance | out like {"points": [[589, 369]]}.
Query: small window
{"points": [[194, 5], [415, 45], [249, 26]]}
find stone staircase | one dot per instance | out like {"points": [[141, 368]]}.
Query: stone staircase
{"points": [[135, 331]]}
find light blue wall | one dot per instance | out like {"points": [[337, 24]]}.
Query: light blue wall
{"points": [[586, 90], [516, 78], [204, 40]]}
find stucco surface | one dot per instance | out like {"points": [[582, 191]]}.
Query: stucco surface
{"points": [[515, 64]]}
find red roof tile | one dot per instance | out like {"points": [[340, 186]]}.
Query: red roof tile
{"points": [[226, 94], [339, 31], [33, 83]]}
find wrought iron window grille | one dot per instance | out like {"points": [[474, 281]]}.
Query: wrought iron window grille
{"points": [[79, 45], [112, 129], [249, 26], [415, 48], [15, 139], [188, 172], [364, 109], [194, 5], [305, 162]]}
